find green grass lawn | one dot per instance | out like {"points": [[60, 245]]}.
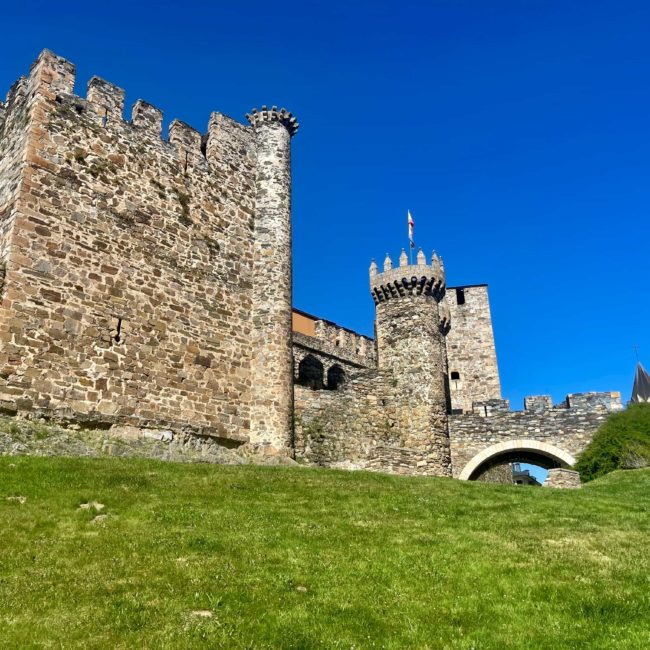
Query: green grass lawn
{"points": [[259, 557]]}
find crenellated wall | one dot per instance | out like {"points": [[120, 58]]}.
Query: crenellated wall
{"points": [[130, 260], [325, 354], [146, 287], [550, 435]]}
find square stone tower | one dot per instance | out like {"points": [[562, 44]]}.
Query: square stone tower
{"points": [[144, 281], [471, 352]]}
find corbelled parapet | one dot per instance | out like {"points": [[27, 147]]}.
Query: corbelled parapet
{"points": [[258, 118], [408, 279]]}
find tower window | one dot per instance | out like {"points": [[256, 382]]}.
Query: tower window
{"points": [[460, 296], [455, 375]]}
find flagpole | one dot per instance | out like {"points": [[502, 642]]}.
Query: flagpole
{"points": [[411, 245]]}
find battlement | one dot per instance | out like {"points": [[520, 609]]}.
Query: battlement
{"points": [[334, 339], [258, 118], [104, 104], [585, 402], [593, 401], [344, 339], [408, 279]]}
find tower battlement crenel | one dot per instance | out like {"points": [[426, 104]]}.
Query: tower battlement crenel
{"points": [[104, 104], [408, 279]]}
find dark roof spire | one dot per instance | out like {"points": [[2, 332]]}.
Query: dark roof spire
{"points": [[641, 388]]}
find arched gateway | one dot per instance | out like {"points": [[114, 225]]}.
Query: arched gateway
{"points": [[526, 450]]}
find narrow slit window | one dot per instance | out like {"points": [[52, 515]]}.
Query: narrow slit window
{"points": [[460, 296], [118, 331]]}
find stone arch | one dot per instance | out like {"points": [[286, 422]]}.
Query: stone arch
{"points": [[311, 372], [335, 377], [510, 449]]}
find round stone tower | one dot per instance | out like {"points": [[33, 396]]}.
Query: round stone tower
{"points": [[272, 364], [411, 325]]}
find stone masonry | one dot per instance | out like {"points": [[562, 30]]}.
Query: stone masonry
{"points": [[559, 477], [146, 303], [473, 371], [409, 412], [272, 369], [549, 437], [146, 281], [324, 354], [393, 417]]}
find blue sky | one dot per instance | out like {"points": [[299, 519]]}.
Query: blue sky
{"points": [[517, 133]]}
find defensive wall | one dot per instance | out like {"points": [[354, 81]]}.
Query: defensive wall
{"points": [[356, 426], [145, 291], [542, 434], [392, 417], [326, 354], [470, 347], [373, 418]]}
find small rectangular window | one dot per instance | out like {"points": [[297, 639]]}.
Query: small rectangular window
{"points": [[460, 296]]}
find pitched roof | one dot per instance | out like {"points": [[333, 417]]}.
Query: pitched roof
{"points": [[641, 388]]}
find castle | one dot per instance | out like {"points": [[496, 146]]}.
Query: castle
{"points": [[146, 285]]}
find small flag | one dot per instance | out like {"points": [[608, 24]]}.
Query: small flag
{"points": [[411, 224]]}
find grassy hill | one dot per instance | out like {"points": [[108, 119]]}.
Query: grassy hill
{"points": [[623, 442], [164, 555]]}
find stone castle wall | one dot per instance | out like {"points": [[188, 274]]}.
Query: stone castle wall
{"points": [[326, 354], [130, 261], [14, 119], [568, 428], [317, 365], [272, 363], [471, 352], [145, 290], [347, 344], [357, 426], [393, 418], [559, 477]]}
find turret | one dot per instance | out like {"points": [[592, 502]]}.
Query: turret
{"points": [[411, 323], [420, 278], [272, 369]]}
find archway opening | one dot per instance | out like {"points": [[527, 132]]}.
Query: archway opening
{"points": [[335, 377], [520, 465], [520, 462], [530, 471], [311, 373]]}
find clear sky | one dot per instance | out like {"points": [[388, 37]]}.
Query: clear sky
{"points": [[517, 133]]}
